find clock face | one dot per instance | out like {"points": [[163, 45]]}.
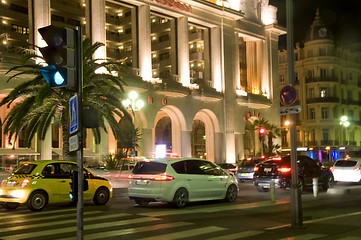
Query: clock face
{"points": [[322, 32]]}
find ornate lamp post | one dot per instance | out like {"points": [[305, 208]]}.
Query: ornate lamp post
{"points": [[345, 123], [132, 104]]}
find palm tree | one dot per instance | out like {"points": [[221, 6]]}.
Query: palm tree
{"points": [[40, 105], [273, 131]]}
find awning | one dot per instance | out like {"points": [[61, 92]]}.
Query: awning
{"points": [[18, 151]]}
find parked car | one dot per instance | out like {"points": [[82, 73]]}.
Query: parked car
{"points": [[246, 168], [180, 180], [38, 183], [231, 167], [347, 170], [278, 169]]}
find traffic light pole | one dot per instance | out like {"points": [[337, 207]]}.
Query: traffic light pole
{"points": [[296, 200], [79, 153]]}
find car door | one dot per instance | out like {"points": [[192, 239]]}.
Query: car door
{"points": [[197, 179], [65, 173], [218, 180]]}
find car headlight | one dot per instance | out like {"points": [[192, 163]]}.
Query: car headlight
{"points": [[17, 193]]}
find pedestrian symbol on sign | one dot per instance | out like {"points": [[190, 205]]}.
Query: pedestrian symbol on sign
{"points": [[73, 113]]}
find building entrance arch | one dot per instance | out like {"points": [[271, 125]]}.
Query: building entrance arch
{"points": [[205, 122], [168, 127]]}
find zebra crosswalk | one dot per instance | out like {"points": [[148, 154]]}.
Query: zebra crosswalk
{"points": [[160, 224]]}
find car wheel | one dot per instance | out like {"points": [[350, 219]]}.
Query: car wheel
{"points": [[10, 205], [180, 198], [231, 193], [142, 202], [101, 196], [262, 189], [37, 201], [328, 183]]}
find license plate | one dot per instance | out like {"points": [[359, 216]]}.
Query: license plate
{"points": [[267, 169], [10, 184], [244, 174], [141, 182]]}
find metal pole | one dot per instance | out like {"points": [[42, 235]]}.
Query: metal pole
{"points": [[296, 207], [79, 154]]}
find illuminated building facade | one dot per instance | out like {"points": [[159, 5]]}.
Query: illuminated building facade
{"points": [[328, 81], [206, 68]]}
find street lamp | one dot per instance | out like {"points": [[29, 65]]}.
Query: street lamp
{"points": [[132, 104], [345, 123]]}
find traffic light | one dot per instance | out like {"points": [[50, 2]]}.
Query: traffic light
{"points": [[261, 133], [60, 54]]}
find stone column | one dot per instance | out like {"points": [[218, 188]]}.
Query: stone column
{"points": [[216, 58], [186, 144], [39, 16], [95, 27], [146, 144], [144, 41], [183, 51]]}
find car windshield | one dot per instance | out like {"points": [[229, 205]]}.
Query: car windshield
{"points": [[345, 163], [25, 169], [149, 168]]}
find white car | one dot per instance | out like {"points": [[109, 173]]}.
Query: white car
{"points": [[347, 170], [180, 180]]}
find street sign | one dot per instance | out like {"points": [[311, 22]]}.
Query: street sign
{"points": [[73, 143], [288, 95], [73, 114], [290, 110]]}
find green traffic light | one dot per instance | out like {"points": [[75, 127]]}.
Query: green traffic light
{"points": [[58, 79]]}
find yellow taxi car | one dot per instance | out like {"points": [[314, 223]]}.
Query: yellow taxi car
{"points": [[38, 183]]}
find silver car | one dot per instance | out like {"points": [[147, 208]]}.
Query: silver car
{"points": [[180, 180]]}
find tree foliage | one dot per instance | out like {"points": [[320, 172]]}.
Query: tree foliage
{"points": [[35, 105]]}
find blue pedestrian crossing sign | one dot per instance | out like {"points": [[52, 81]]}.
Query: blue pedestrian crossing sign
{"points": [[73, 114]]}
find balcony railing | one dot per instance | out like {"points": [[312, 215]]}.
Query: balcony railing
{"points": [[321, 79], [323, 100]]}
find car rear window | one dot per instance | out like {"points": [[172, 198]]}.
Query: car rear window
{"points": [[343, 163], [250, 163], [25, 169], [149, 168], [227, 166]]}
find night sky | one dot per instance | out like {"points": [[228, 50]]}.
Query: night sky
{"points": [[342, 16]]}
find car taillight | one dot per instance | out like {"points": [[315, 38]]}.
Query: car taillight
{"points": [[255, 169], [356, 169], [24, 183], [2, 182], [163, 178], [130, 176], [284, 170], [236, 169], [332, 169]]}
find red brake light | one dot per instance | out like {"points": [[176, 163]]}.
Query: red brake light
{"points": [[277, 158], [332, 169], [249, 159], [263, 157], [130, 176], [284, 170], [356, 169], [255, 169], [236, 169], [163, 178], [24, 183], [2, 182]]}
